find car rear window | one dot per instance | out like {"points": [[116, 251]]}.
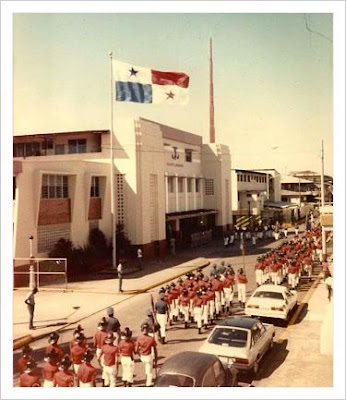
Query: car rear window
{"points": [[176, 380], [269, 295], [232, 337]]}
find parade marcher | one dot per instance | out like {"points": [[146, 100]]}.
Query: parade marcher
{"points": [[292, 274], [53, 344], [108, 358], [174, 310], [77, 352], [183, 303], [259, 271], [228, 289], [120, 276], [49, 369], [100, 336], [86, 375], [145, 344], [113, 324], [198, 306], [64, 378], [26, 356], [211, 302], [217, 286], [30, 302], [162, 315], [30, 376], [126, 348], [241, 286], [140, 258], [76, 333], [191, 293]]}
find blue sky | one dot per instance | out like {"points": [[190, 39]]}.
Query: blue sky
{"points": [[273, 79]]}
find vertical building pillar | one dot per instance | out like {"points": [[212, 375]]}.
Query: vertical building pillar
{"points": [[194, 193], [176, 193], [185, 194], [166, 192]]}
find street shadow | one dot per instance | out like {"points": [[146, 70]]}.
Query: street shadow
{"points": [[269, 363], [38, 327], [178, 341]]}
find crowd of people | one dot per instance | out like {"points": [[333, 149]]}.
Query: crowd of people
{"points": [[195, 300]]}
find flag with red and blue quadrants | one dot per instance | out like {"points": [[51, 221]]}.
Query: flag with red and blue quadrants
{"points": [[146, 85]]}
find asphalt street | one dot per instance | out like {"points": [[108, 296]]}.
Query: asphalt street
{"points": [[132, 312]]}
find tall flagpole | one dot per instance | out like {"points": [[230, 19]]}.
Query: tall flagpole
{"points": [[114, 242], [211, 95]]}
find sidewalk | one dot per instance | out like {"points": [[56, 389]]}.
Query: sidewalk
{"points": [[70, 306], [308, 345]]}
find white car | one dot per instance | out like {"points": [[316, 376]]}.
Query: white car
{"points": [[273, 301], [240, 342]]}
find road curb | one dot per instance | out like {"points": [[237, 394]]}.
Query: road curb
{"points": [[29, 338]]}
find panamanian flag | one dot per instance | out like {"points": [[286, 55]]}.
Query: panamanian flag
{"points": [[146, 85]]}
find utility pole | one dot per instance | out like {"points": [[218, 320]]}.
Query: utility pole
{"points": [[211, 95], [324, 243]]}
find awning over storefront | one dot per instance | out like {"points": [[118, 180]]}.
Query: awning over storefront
{"points": [[189, 214], [279, 204]]}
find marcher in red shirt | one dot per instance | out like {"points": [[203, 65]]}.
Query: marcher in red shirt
{"points": [[26, 356], [77, 352], [145, 344], [242, 281], [76, 332], [109, 360], [184, 303], [198, 305], [30, 376], [126, 348], [53, 344], [49, 369], [87, 373], [100, 336], [64, 378]]}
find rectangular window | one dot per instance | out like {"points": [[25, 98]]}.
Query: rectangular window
{"points": [[47, 144], [54, 187], [77, 146], [248, 178], [209, 187], [170, 181], [189, 185], [18, 150], [180, 185], [188, 155], [48, 236], [198, 185], [95, 186], [59, 149]]}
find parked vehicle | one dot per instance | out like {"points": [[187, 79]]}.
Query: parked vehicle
{"points": [[274, 301], [240, 342], [194, 369]]}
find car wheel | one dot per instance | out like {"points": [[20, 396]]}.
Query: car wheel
{"points": [[255, 369]]}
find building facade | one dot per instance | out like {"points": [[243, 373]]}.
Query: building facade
{"points": [[168, 184]]}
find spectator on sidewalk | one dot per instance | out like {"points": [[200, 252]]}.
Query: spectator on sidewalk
{"points": [[120, 276], [329, 283], [30, 302], [140, 258]]}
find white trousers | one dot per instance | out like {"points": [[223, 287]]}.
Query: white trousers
{"points": [[292, 280], [147, 361], [128, 366], [48, 383], [211, 308], [76, 368], [109, 374], [205, 316], [197, 311], [185, 311], [217, 302], [241, 292], [86, 384], [162, 321], [259, 276]]}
